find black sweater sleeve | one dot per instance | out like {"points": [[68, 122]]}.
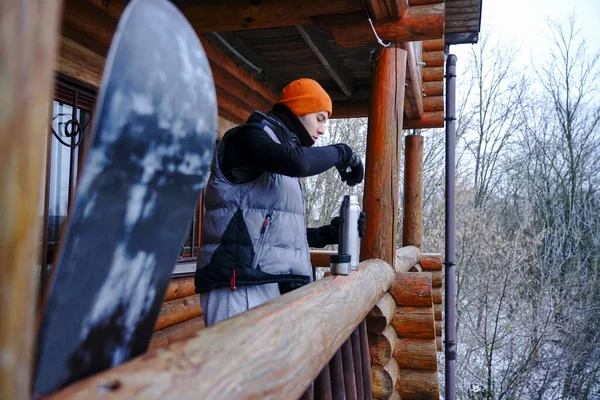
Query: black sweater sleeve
{"points": [[256, 148]]}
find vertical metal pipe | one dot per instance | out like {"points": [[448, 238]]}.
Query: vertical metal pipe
{"points": [[450, 230], [336, 371], [357, 361], [323, 385], [348, 363], [366, 360]]}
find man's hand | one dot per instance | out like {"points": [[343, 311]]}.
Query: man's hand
{"points": [[351, 168]]}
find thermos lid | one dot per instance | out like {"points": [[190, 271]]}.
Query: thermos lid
{"points": [[339, 258]]}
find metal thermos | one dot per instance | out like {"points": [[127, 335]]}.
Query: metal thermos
{"points": [[349, 239], [340, 264]]}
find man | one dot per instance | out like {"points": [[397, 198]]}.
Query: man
{"points": [[255, 245]]}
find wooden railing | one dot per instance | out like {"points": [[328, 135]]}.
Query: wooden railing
{"points": [[276, 350]]}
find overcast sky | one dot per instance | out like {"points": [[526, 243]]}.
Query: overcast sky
{"points": [[525, 23]]}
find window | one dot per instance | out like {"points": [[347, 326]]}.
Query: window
{"points": [[71, 123]]}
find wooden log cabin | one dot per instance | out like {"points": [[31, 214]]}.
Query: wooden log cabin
{"points": [[373, 334]]}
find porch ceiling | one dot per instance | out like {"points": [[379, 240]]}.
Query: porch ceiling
{"points": [[331, 41]]}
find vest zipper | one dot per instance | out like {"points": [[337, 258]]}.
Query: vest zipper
{"points": [[261, 240]]}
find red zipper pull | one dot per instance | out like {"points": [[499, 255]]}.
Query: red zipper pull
{"points": [[232, 280]]}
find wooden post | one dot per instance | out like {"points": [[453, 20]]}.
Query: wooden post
{"points": [[412, 224], [383, 155], [28, 45]]}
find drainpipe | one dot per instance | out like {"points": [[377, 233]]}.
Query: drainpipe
{"points": [[450, 230]]}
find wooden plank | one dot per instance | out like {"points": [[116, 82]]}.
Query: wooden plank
{"points": [[86, 19], [238, 91], [412, 222], [433, 88], [79, 62], [236, 15], [177, 311], [28, 45], [320, 47], [231, 106], [412, 289], [417, 354], [238, 354], [429, 120], [380, 200], [354, 30]]}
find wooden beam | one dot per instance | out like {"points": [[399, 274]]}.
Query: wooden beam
{"points": [[180, 287], [238, 354], [412, 222], [429, 120], [433, 45], [381, 315], [354, 30], [433, 58], [412, 289], [321, 49], [431, 74], [419, 354], [28, 45], [384, 379], [415, 384], [413, 104], [228, 65], [381, 9], [433, 103], [414, 322], [350, 109], [435, 88], [382, 346], [79, 62], [177, 311], [86, 20], [431, 262], [267, 75], [238, 91], [176, 332], [382, 170], [220, 16]]}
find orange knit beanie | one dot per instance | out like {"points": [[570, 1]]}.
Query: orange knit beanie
{"points": [[305, 96]]}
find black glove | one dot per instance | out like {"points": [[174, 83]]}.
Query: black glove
{"points": [[351, 168]]}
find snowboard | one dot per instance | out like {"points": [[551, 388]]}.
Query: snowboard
{"points": [[148, 160]]}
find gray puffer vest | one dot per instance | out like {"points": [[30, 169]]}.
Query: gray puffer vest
{"points": [[253, 233]]}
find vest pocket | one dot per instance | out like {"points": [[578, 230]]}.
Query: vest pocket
{"points": [[261, 240]]}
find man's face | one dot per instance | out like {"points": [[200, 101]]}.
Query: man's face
{"points": [[314, 124]]}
